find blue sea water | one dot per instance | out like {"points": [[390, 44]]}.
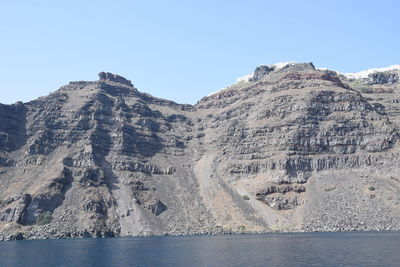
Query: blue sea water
{"points": [[296, 249]]}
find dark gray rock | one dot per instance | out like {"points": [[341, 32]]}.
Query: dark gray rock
{"points": [[12, 127], [260, 72], [107, 76], [383, 78], [157, 207]]}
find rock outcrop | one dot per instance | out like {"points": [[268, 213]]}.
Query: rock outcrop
{"points": [[107, 76], [293, 148], [383, 78]]}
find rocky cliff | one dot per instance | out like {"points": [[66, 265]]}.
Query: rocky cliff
{"points": [[291, 148]]}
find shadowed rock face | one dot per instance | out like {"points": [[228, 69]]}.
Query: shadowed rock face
{"points": [[292, 148], [12, 127]]}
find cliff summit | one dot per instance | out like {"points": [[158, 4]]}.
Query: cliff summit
{"points": [[108, 76]]}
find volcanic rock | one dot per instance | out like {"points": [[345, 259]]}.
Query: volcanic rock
{"points": [[293, 148]]}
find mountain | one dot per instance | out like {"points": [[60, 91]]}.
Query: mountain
{"points": [[287, 148]]}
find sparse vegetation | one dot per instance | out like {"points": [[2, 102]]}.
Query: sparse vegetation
{"points": [[44, 218], [245, 197], [371, 188], [241, 228], [227, 229]]}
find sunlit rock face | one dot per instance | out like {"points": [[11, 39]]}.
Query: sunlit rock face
{"points": [[107, 76], [290, 148]]}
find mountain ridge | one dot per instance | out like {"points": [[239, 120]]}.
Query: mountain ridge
{"points": [[293, 148]]}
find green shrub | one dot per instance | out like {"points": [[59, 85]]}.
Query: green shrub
{"points": [[371, 188], [241, 228], [245, 197], [44, 218]]}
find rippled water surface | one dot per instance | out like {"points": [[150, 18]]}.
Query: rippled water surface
{"points": [[303, 249]]}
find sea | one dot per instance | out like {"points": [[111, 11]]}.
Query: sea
{"points": [[277, 249]]}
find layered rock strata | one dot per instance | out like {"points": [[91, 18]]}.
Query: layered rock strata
{"points": [[292, 148]]}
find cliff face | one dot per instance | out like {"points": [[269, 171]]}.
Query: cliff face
{"points": [[291, 148]]}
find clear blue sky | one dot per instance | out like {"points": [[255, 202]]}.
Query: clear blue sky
{"points": [[183, 50]]}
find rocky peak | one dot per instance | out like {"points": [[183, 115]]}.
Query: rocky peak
{"points": [[263, 70], [108, 76], [299, 67]]}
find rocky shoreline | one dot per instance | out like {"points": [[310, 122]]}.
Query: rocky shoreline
{"points": [[22, 236]]}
